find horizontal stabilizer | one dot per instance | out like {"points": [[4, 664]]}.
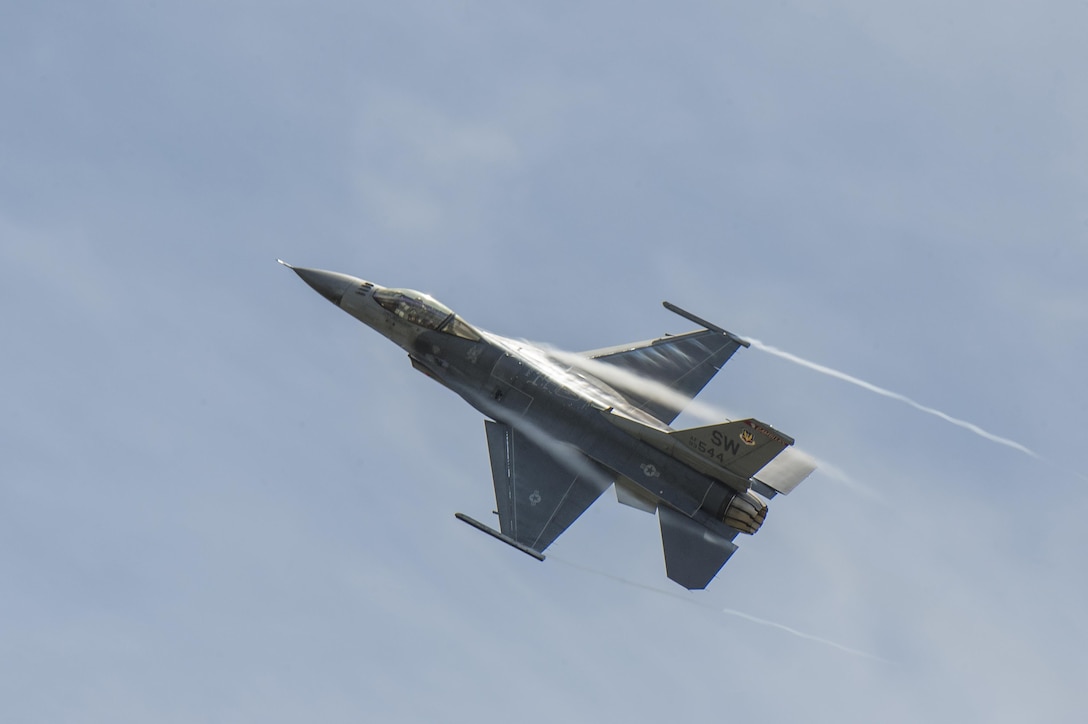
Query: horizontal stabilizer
{"points": [[693, 553]]}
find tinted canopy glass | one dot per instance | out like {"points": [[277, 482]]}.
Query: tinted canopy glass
{"points": [[425, 311]]}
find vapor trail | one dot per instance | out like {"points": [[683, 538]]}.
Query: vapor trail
{"points": [[893, 395], [802, 634], [729, 611]]}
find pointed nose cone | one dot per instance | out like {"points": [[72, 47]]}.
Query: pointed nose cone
{"points": [[331, 285]]}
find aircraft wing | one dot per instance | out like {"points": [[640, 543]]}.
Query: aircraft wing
{"points": [[536, 496], [683, 363]]}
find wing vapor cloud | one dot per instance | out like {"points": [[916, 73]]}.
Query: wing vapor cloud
{"points": [[648, 388]]}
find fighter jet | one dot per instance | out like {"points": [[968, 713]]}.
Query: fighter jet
{"points": [[563, 428]]}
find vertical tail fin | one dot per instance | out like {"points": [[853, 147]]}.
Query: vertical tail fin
{"points": [[742, 447], [728, 451]]}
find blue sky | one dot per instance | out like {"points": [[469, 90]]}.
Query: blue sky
{"points": [[223, 500]]}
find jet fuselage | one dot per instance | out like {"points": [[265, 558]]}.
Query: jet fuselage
{"points": [[563, 409]]}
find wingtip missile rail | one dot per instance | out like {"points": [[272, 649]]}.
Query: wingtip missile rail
{"points": [[702, 322]]}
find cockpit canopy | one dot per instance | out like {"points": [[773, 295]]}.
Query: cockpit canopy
{"points": [[425, 311]]}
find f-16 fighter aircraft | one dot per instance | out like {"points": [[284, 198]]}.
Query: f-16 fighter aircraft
{"points": [[563, 428]]}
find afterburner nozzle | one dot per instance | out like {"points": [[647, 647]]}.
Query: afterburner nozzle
{"points": [[745, 512]]}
